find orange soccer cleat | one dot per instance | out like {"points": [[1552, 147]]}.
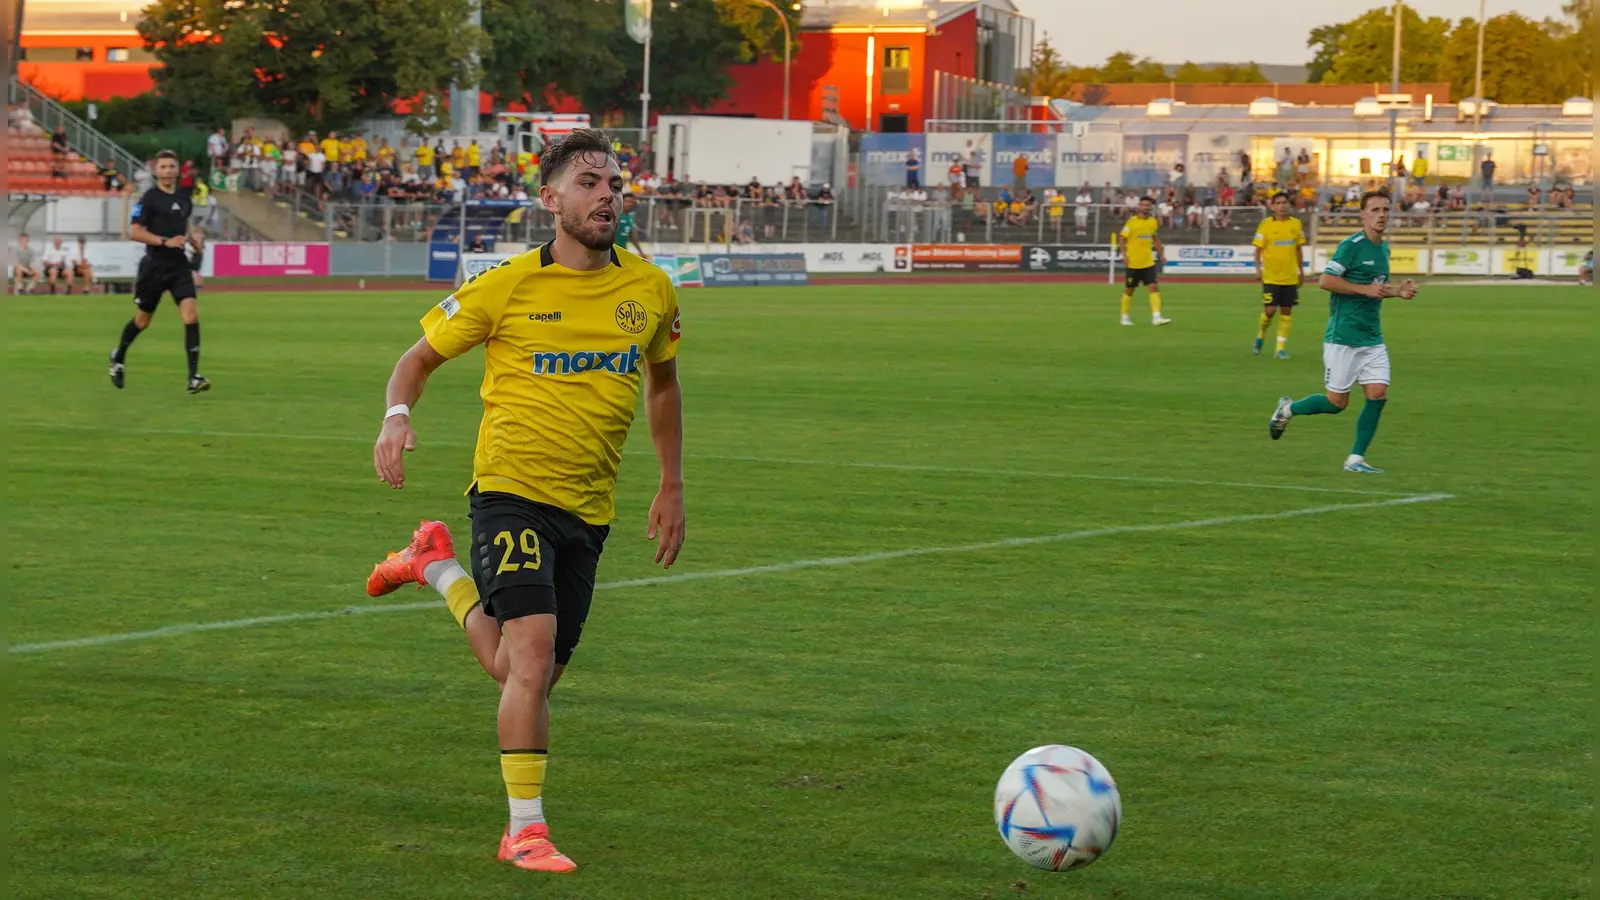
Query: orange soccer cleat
{"points": [[431, 543], [531, 849]]}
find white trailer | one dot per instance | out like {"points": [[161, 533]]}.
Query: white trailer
{"points": [[725, 150]]}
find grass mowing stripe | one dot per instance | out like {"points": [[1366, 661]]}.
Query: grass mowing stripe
{"points": [[763, 460], [794, 566]]}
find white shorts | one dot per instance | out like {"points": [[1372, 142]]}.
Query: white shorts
{"points": [[1348, 365]]}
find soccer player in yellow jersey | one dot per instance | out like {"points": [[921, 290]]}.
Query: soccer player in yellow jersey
{"points": [[1141, 252], [566, 328], [1281, 264]]}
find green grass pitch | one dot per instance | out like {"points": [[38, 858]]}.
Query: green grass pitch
{"points": [[1371, 700]]}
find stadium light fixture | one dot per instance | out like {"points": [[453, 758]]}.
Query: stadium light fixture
{"points": [[1265, 106], [1578, 106], [1160, 106]]}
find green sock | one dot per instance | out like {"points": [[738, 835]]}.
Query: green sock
{"points": [[1367, 426], [1315, 405]]}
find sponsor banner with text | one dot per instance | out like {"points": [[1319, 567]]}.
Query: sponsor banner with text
{"points": [[1509, 259], [1183, 259], [1095, 159], [1461, 261], [738, 269], [1038, 149], [945, 149], [1066, 258], [1565, 261], [230, 260], [475, 264], [1408, 261], [857, 258], [883, 159], [966, 256]]}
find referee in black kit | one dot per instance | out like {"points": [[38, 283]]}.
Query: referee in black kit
{"points": [[161, 223]]}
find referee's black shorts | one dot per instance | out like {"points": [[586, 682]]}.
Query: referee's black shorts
{"points": [[532, 559], [156, 278]]}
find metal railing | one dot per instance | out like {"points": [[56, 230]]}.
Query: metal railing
{"points": [[83, 137]]}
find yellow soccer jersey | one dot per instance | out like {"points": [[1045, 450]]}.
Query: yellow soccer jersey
{"points": [[561, 371], [1139, 241], [1280, 258]]}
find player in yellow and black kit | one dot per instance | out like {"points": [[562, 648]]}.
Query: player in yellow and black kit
{"points": [[1278, 258], [566, 329], [1141, 252]]}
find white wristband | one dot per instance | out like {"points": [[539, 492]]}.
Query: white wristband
{"points": [[399, 409]]}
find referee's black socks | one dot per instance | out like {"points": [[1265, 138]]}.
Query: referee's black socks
{"points": [[191, 343], [129, 332]]}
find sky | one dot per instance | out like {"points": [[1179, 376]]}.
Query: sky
{"points": [[1173, 31]]}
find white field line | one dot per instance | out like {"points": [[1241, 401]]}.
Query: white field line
{"points": [[794, 566], [765, 460]]}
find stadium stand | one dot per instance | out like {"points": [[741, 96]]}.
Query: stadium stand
{"points": [[33, 167]]}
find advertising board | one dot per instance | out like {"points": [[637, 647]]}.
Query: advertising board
{"points": [[1066, 258], [262, 259], [966, 256], [744, 269]]}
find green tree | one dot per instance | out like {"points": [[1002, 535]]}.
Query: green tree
{"points": [[1366, 44], [758, 26], [543, 48], [310, 63], [1523, 61], [1325, 40], [1123, 68], [691, 45], [1223, 73], [1046, 75]]}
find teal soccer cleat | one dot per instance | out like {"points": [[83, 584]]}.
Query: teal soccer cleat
{"points": [[1359, 464], [1257, 348]]}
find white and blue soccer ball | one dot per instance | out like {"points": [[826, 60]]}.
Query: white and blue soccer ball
{"points": [[1057, 808]]}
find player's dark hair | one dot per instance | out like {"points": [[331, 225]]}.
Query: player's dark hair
{"points": [[1147, 198], [1283, 194], [563, 150], [166, 154], [1370, 195]]}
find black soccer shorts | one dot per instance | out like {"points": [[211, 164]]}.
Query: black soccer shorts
{"points": [[1147, 275], [532, 559], [1283, 296], [155, 279]]}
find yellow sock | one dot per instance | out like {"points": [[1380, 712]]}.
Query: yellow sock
{"points": [[1261, 333], [1127, 302], [461, 596], [523, 772], [1155, 302], [1284, 324]]}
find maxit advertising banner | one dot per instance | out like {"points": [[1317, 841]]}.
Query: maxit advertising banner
{"points": [[945, 149], [883, 160], [1095, 159], [1038, 149]]}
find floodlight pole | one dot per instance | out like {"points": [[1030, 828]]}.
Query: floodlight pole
{"points": [[1394, 88], [788, 39], [644, 94], [1477, 105]]}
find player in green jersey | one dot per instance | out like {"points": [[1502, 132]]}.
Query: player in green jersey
{"points": [[626, 225], [1357, 278]]}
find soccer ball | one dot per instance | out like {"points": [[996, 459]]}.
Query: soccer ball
{"points": [[1057, 807]]}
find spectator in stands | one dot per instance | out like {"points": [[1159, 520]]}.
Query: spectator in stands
{"points": [[1285, 167], [1458, 197], [1080, 208], [1163, 212], [472, 157], [476, 245], [1178, 177], [1302, 167], [1352, 195], [217, 149], [1130, 203], [822, 205], [1441, 198], [1400, 168], [1213, 214], [1244, 166], [974, 166], [81, 267], [1192, 212], [54, 262], [957, 174], [316, 171], [1486, 171], [1586, 269], [109, 176], [24, 267], [1421, 210], [1535, 197], [1019, 173], [144, 178], [1419, 170], [1225, 198], [913, 169]]}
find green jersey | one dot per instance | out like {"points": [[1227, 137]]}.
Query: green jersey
{"points": [[1352, 319], [624, 230]]}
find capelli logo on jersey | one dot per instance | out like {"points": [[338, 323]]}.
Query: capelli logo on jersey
{"points": [[620, 363]]}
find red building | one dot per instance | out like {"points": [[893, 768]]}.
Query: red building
{"points": [[875, 64], [84, 49]]}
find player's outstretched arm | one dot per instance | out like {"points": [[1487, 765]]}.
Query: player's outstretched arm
{"points": [[663, 403], [405, 389]]}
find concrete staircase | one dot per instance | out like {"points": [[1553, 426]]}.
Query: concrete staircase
{"points": [[271, 220]]}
